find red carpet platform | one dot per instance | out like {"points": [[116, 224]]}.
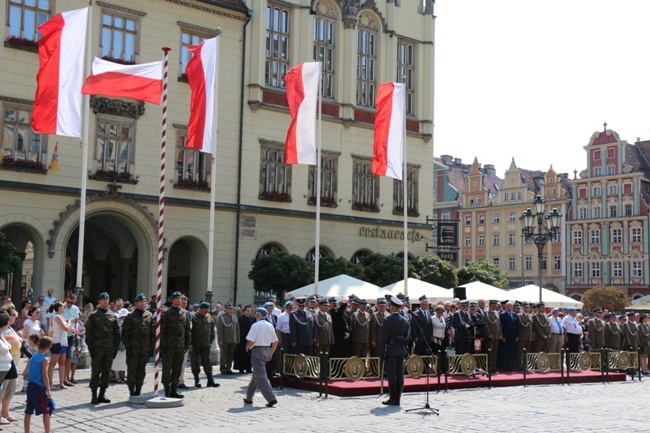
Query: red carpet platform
{"points": [[346, 388]]}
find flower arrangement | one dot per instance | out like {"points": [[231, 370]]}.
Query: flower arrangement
{"points": [[324, 201], [24, 44], [275, 196], [365, 207], [111, 175], [25, 165], [197, 185], [399, 210], [120, 61]]}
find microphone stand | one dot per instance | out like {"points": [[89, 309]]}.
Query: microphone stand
{"points": [[426, 406]]}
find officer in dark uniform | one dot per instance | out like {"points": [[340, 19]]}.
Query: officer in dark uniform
{"points": [[462, 322], [425, 327], [341, 326], [394, 336], [103, 339], [139, 336], [174, 342], [302, 329], [203, 336]]}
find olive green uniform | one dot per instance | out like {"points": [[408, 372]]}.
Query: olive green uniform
{"points": [[360, 333], [202, 337], [376, 326], [103, 339], [138, 336], [525, 338], [492, 336], [174, 341], [542, 332], [228, 335], [324, 332], [597, 333], [613, 336]]}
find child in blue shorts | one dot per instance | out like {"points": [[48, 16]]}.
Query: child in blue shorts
{"points": [[38, 390]]}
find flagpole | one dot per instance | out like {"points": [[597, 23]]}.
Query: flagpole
{"points": [[318, 180], [84, 168], [161, 218], [213, 181], [405, 199]]}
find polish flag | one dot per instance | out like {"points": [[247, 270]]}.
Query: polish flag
{"points": [[57, 104], [142, 82], [302, 95], [387, 159], [202, 74]]}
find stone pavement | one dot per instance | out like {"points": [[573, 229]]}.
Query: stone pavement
{"points": [[548, 408]]}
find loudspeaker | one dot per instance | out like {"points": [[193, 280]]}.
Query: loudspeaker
{"points": [[460, 293]]}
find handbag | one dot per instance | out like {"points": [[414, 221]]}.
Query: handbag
{"points": [[12, 373]]}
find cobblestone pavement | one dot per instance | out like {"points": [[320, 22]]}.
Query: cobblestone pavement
{"points": [[548, 408]]}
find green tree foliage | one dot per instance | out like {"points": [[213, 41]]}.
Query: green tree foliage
{"points": [[384, 270], [329, 267], [434, 270], [484, 272], [9, 261], [603, 296], [280, 273]]}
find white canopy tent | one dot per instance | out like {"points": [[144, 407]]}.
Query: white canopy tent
{"points": [[641, 304], [530, 293], [418, 288], [479, 290], [342, 286]]}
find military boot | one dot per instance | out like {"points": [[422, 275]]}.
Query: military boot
{"points": [[212, 383], [131, 390], [93, 400], [101, 398], [137, 389], [173, 393], [391, 393], [197, 381], [166, 390]]}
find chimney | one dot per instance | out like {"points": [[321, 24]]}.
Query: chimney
{"points": [[458, 161], [447, 159], [490, 170]]}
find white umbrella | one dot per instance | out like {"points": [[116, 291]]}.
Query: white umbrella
{"points": [[418, 288], [530, 293], [342, 286]]}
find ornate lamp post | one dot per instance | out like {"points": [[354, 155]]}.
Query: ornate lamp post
{"points": [[539, 228]]}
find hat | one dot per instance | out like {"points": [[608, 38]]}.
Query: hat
{"points": [[423, 298], [288, 304], [609, 315], [622, 317], [323, 302], [311, 299], [123, 312], [332, 300], [400, 296], [473, 305], [396, 301], [597, 310], [382, 302], [464, 303], [205, 304], [630, 313], [354, 301], [525, 305], [176, 295], [230, 305], [140, 297], [266, 304], [103, 295], [517, 305], [301, 300], [268, 298], [407, 300], [363, 302], [503, 302], [571, 309], [494, 302], [555, 310], [541, 305], [262, 311]]}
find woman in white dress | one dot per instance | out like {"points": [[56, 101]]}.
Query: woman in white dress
{"points": [[119, 362], [60, 329], [32, 324]]}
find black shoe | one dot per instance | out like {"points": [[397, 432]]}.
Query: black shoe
{"points": [[173, 393], [102, 399], [271, 403], [93, 400], [388, 402], [213, 385], [166, 390], [197, 384], [183, 386], [246, 401]]}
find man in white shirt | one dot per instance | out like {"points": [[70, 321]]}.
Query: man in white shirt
{"points": [[572, 330], [282, 327], [276, 310], [261, 342], [557, 332], [71, 311]]}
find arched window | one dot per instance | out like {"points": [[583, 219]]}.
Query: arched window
{"points": [[323, 252], [358, 257], [270, 248]]}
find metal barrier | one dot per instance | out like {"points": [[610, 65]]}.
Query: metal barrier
{"points": [[622, 360], [301, 366], [585, 361], [418, 365], [544, 362], [354, 368], [467, 364]]}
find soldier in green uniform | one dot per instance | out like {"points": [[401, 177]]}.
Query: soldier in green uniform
{"points": [[202, 338], [613, 340], [103, 339], [324, 328], [139, 336], [174, 341], [492, 333], [525, 340], [360, 330], [228, 335], [597, 330], [376, 324], [541, 330]]}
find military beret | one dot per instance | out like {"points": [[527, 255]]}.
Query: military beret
{"points": [[269, 304], [323, 302], [555, 310], [103, 295], [630, 313], [288, 304], [571, 309], [262, 311], [423, 298], [232, 306], [464, 303], [597, 310], [176, 295], [396, 301], [268, 298], [494, 302], [382, 302], [205, 305], [140, 297]]}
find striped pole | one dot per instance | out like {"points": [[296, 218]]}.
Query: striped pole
{"points": [[161, 218]]}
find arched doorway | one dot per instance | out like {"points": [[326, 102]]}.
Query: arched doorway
{"points": [[29, 247], [187, 268]]}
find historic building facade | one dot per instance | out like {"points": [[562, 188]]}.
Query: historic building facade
{"points": [[262, 204]]}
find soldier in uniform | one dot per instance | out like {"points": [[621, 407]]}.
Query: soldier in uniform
{"points": [[174, 342], [541, 330], [597, 329], [341, 324], [492, 333], [202, 338], [228, 337], [394, 335], [630, 333], [302, 329], [139, 337], [424, 336], [462, 322], [612, 332], [360, 331], [324, 328], [376, 325], [525, 334], [103, 339]]}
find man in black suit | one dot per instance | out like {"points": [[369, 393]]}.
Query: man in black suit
{"points": [[394, 336], [462, 322], [302, 329], [425, 331], [510, 333]]}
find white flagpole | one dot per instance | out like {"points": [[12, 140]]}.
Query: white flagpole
{"points": [[213, 180], [84, 167], [405, 201], [318, 182]]}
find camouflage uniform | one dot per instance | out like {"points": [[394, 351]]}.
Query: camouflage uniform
{"points": [[103, 339], [174, 341], [202, 338], [138, 336]]}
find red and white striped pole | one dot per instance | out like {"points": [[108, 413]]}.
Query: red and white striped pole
{"points": [[161, 217]]}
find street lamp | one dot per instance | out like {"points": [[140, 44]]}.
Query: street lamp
{"points": [[540, 228]]}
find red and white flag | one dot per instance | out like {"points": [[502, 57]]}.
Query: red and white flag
{"points": [[201, 73], [57, 104], [302, 95], [142, 82], [388, 155]]}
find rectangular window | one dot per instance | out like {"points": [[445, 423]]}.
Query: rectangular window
{"points": [[468, 241], [512, 263], [119, 36], [188, 38], [512, 196], [366, 62], [25, 16], [577, 237], [597, 171], [468, 220], [557, 262], [612, 211], [512, 217], [595, 270], [412, 177], [582, 213], [365, 187], [528, 263], [505, 197], [406, 72], [595, 236], [597, 191], [597, 211], [323, 51], [577, 270], [617, 268], [636, 234], [481, 240], [610, 170], [637, 269], [613, 190], [496, 261], [496, 217], [18, 141], [275, 175], [277, 45], [192, 165], [543, 263], [617, 236], [481, 219], [628, 210], [467, 261], [557, 237], [495, 239], [512, 239], [115, 144], [328, 180]]}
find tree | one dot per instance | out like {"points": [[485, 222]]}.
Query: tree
{"points": [[280, 273], [384, 270], [607, 297], [329, 267], [484, 272], [434, 270], [9, 261]]}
